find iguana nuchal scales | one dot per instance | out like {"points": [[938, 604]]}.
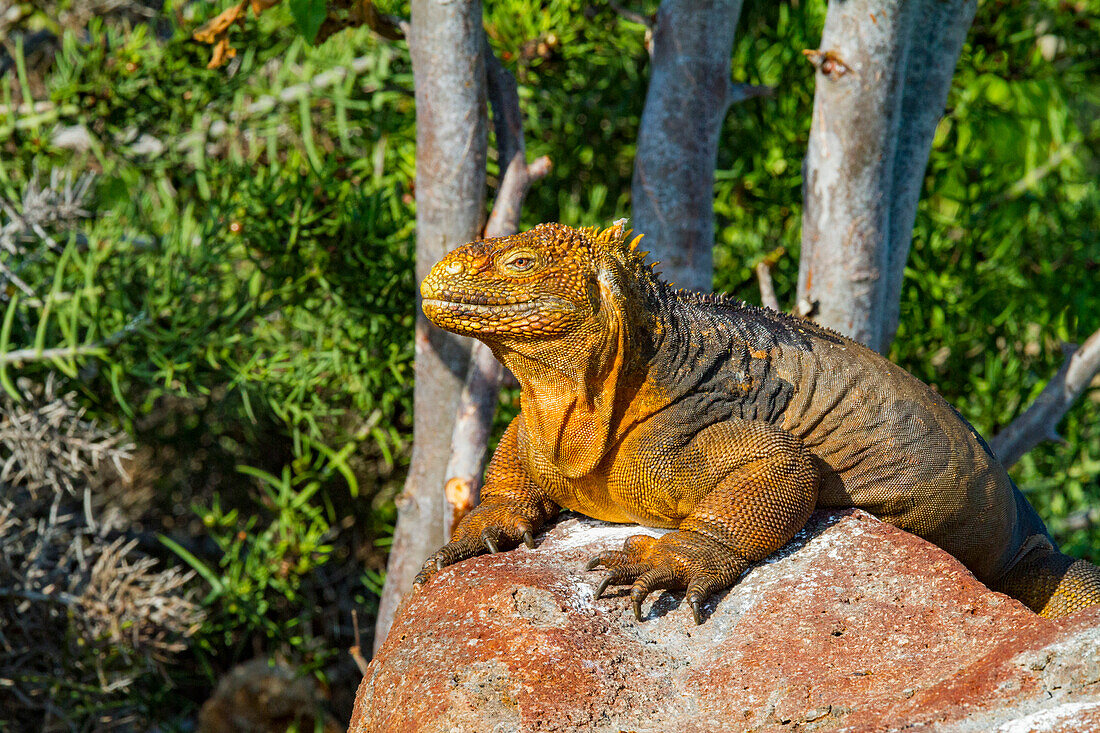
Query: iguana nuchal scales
{"points": [[726, 422]]}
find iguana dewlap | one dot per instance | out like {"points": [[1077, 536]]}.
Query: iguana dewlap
{"points": [[726, 422]]}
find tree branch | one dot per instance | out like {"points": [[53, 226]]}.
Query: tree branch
{"points": [[478, 401], [1038, 422], [67, 352], [764, 277], [767, 290], [626, 14]]}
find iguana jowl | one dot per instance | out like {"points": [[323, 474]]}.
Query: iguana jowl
{"points": [[726, 422]]}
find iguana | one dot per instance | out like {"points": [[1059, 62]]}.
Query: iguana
{"points": [[726, 422]]}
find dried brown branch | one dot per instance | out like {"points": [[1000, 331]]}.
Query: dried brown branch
{"points": [[767, 290], [477, 404], [341, 14], [764, 277], [1038, 422], [356, 649]]}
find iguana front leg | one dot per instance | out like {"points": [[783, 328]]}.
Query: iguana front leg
{"points": [[513, 508], [765, 490]]}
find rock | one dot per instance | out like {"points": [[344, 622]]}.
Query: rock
{"points": [[258, 697], [855, 626]]}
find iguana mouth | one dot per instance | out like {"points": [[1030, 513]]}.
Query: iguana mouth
{"points": [[521, 307]]}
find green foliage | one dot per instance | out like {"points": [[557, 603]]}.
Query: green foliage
{"points": [[239, 294], [308, 16], [256, 588]]}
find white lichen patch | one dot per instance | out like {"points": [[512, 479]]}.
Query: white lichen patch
{"points": [[1048, 720], [575, 534]]}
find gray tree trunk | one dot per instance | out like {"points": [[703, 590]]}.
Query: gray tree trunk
{"points": [[689, 95], [884, 70], [478, 402], [445, 41]]}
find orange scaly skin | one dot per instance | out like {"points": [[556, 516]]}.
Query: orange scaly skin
{"points": [[725, 422]]}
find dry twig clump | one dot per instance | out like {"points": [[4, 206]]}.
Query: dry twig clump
{"points": [[83, 614]]}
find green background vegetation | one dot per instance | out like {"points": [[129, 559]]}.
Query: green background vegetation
{"points": [[251, 240]]}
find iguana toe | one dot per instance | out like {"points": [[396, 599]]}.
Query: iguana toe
{"points": [[449, 554], [679, 560], [620, 575], [488, 528]]}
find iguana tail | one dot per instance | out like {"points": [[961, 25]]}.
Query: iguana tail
{"points": [[1051, 583], [1044, 579]]}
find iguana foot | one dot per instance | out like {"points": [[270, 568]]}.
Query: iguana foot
{"points": [[488, 528], [675, 561]]}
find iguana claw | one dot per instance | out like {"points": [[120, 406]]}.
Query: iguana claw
{"points": [[696, 610], [679, 560]]}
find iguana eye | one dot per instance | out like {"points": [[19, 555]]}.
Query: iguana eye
{"points": [[519, 262]]}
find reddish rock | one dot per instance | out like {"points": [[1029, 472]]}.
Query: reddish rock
{"points": [[854, 626]]}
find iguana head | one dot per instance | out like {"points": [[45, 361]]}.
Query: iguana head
{"points": [[550, 281], [566, 311]]}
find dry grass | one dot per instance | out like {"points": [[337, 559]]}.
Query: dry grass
{"points": [[83, 613]]}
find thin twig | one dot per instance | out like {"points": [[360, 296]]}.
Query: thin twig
{"points": [[355, 652], [767, 290], [65, 599], [1033, 176], [63, 352], [647, 20], [1038, 422], [764, 277]]}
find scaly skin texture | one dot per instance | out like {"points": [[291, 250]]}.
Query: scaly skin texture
{"points": [[726, 422]]}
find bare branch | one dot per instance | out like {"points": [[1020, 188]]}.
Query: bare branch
{"points": [[1033, 176], [742, 92], [1038, 422], [470, 437], [626, 14], [68, 352], [764, 277], [356, 650], [767, 291]]}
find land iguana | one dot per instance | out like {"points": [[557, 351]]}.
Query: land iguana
{"points": [[726, 422]]}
